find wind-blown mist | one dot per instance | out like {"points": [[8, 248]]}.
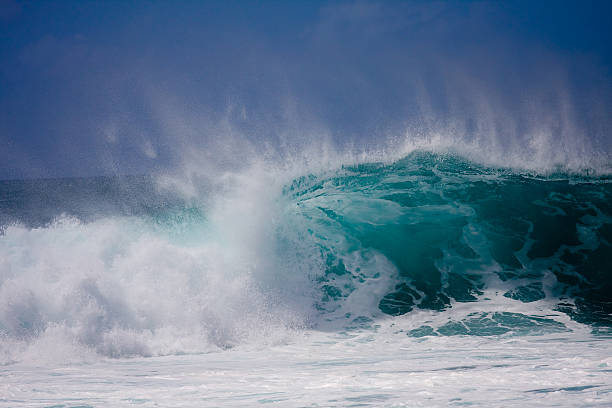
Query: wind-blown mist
{"points": [[164, 88]]}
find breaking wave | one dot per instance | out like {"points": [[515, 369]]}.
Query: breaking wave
{"points": [[123, 266]]}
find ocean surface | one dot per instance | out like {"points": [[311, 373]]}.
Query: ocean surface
{"points": [[424, 281]]}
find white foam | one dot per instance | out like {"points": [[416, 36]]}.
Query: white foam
{"points": [[119, 287], [388, 369]]}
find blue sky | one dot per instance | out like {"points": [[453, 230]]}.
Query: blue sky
{"points": [[90, 88]]}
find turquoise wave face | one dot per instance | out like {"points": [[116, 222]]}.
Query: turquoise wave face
{"points": [[451, 231]]}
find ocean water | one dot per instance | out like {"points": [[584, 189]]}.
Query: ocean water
{"points": [[428, 280]]}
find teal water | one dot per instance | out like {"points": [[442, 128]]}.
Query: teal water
{"points": [[454, 229]]}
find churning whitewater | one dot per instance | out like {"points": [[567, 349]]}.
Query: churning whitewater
{"points": [[428, 252]]}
